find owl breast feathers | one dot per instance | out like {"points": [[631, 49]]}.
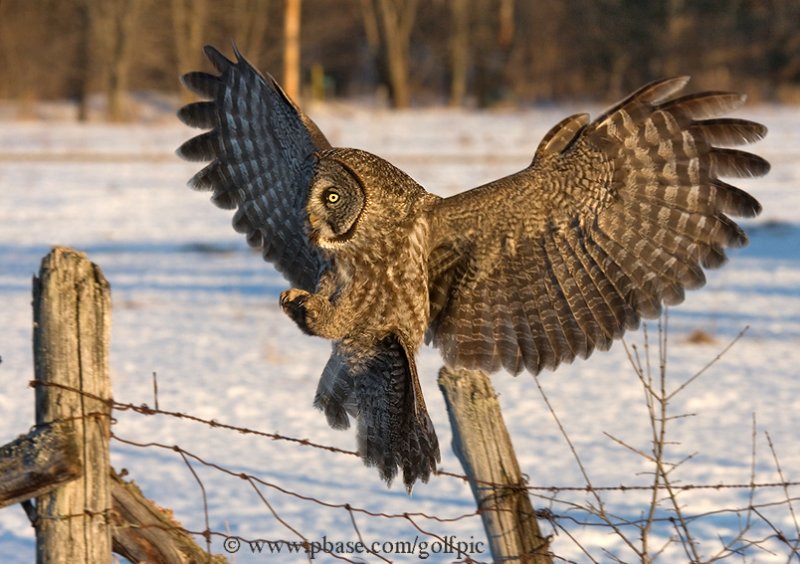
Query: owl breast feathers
{"points": [[613, 218]]}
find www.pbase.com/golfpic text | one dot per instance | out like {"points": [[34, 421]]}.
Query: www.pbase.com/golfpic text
{"points": [[449, 545]]}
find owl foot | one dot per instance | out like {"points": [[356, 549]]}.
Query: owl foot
{"points": [[294, 303]]}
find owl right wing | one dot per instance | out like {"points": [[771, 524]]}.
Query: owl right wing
{"points": [[261, 147], [611, 219]]}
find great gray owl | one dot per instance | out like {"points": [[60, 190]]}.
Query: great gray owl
{"points": [[611, 219]]}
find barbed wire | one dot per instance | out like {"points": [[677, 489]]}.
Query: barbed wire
{"points": [[413, 518], [575, 514], [144, 409]]}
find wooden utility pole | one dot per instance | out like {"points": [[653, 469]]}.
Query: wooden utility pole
{"points": [[72, 320], [483, 446]]}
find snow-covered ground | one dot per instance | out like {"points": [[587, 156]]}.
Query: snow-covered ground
{"points": [[193, 304]]}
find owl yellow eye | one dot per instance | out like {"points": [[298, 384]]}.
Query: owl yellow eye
{"points": [[332, 197]]}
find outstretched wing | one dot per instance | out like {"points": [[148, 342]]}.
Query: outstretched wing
{"points": [[611, 219], [261, 148], [382, 393]]}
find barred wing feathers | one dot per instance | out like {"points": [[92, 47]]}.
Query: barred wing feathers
{"points": [[611, 220], [261, 148]]}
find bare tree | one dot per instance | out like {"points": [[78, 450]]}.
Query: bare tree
{"points": [[16, 20], [485, 37], [506, 32], [548, 49], [86, 25], [119, 25], [188, 22], [459, 50], [395, 20], [677, 25], [250, 19], [291, 48]]}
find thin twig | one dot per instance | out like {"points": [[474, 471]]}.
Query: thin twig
{"points": [[155, 390], [206, 533], [794, 546], [601, 507], [710, 363], [358, 534]]}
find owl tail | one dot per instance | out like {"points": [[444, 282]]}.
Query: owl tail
{"points": [[383, 394]]}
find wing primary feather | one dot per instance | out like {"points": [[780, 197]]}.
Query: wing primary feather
{"points": [[728, 131], [651, 94], [735, 201], [220, 61], [203, 147], [735, 163], [201, 83], [704, 105], [559, 138], [199, 114]]}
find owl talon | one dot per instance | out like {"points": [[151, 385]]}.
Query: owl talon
{"points": [[294, 304]]}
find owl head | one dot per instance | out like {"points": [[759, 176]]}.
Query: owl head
{"points": [[354, 191], [335, 203]]}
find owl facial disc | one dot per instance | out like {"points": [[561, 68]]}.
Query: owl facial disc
{"points": [[334, 204]]}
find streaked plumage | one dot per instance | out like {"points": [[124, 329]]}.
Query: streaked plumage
{"points": [[612, 219]]}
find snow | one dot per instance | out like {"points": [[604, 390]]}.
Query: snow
{"points": [[194, 305]]}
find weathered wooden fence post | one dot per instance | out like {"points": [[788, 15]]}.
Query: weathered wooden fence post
{"points": [[71, 314], [483, 446]]}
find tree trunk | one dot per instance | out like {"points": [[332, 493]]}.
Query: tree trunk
{"points": [[85, 55], [291, 49], [459, 51], [505, 35], [250, 22], [396, 18], [188, 22], [71, 314], [122, 26]]}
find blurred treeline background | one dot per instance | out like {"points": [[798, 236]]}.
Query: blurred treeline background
{"points": [[476, 53]]}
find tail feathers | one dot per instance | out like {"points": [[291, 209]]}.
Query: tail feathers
{"points": [[394, 431], [334, 395]]}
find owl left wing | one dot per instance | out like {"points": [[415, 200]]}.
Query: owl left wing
{"points": [[261, 147], [611, 219]]}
